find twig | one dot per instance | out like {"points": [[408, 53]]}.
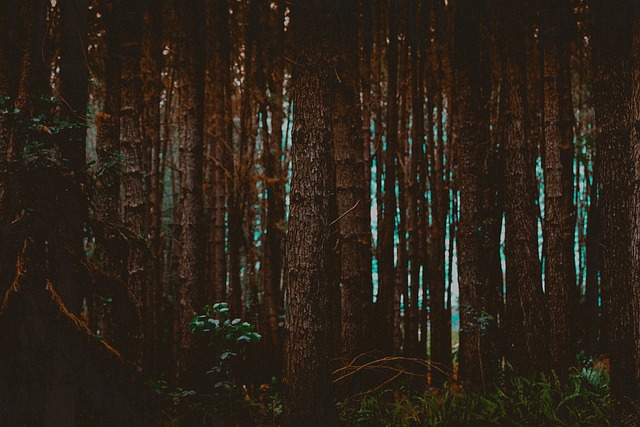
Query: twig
{"points": [[344, 214]]}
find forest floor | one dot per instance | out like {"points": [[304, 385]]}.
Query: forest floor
{"points": [[582, 399]]}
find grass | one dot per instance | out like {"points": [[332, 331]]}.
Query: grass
{"points": [[582, 400]]}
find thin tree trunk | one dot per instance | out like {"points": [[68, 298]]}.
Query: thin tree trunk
{"points": [[415, 177], [386, 263]]}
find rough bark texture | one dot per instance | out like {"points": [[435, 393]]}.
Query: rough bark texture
{"points": [[473, 145], [272, 29], [440, 316], [528, 352], [110, 246], [129, 16], [611, 44], [386, 263], [559, 285], [307, 387], [218, 143], [150, 68], [354, 241], [634, 126], [416, 179], [191, 99]]}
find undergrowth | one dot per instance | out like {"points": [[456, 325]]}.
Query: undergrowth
{"points": [[582, 400]]}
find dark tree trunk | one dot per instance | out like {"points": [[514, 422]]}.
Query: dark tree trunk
{"points": [[73, 89], [415, 179], [593, 262], [611, 47], [272, 261], [191, 106], [129, 18], [559, 284], [525, 309], [307, 395], [634, 126], [476, 364], [111, 250], [150, 68], [218, 143], [354, 235], [386, 264]]}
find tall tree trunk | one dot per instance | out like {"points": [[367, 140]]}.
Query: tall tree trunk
{"points": [[191, 99], [150, 68], [354, 235], [634, 214], [110, 246], [440, 315], [528, 338], [593, 262], [129, 17], [558, 282], [307, 395], [386, 263], [416, 176], [473, 149], [273, 300], [611, 47]]}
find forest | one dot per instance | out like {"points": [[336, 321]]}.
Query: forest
{"points": [[319, 213]]}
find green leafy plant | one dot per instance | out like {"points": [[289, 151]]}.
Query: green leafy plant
{"points": [[223, 396]]}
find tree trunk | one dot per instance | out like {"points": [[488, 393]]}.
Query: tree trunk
{"points": [[386, 263], [558, 282], [473, 149], [525, 308], [416, 177], [150, 68], [307, 395], [354, 236], [129, 17], [611, 47], [191, 99]]}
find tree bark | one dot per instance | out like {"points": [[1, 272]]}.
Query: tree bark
{"points": [[611, 47], [525, 309], [416, 178], [307, 394], [129, 17], [386, 263], [473, 149], [354, 235], [558, 282], [191, 99]]}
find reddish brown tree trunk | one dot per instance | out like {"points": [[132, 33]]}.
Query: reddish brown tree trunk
{"points": [[525, 309], [386, 263], [191, 99], [354, 235], [558, 282], [307, 395], [611, 47], [129, 18]]}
